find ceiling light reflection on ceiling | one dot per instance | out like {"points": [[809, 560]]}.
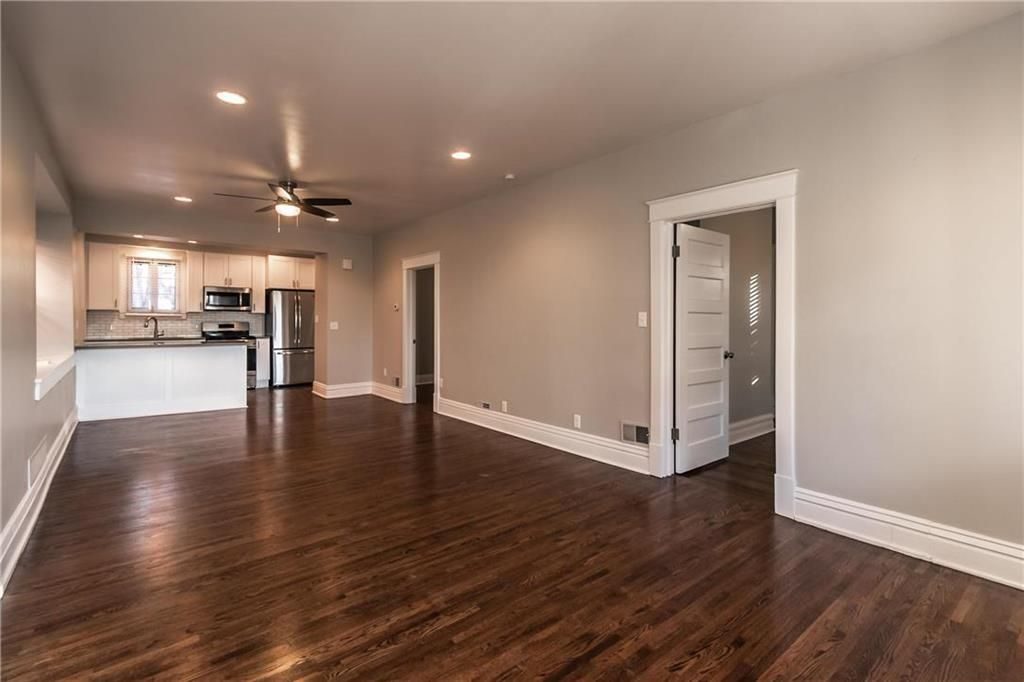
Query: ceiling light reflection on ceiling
{"points": [[332, 219], [139, 236], [287, 210], [229, 97], [192, 241], [461, 155], [183, 199]]}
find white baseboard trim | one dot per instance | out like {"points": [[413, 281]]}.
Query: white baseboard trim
{"points": [[606, 450], [784, 496], [986, 557], [329, 391], [16, 533], [424, 379], [745, 429], [390, 392]]}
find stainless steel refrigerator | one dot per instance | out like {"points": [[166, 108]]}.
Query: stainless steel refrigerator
{"points": [[290, 326]]}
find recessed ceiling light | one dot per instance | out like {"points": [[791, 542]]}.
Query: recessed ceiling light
{"points": [[229, 97], [461, 155], [192, 241], [510, 176], [332, 219], [184, 200], [139, 236], [287, 210]]}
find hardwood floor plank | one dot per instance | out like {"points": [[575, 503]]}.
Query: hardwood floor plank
{"points": [[362, 539]]}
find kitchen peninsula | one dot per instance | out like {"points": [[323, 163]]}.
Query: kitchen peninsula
{"points": [[139, 377]]}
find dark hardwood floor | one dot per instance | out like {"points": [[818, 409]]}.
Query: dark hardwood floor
{"points": [[361, 539]]}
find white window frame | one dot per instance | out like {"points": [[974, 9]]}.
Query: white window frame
{"points": [[178, 278]]}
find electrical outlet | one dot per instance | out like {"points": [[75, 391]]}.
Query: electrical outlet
{"points": [[577, 421], [334, 326], [486, 406], [504, 406], [641, 319]]}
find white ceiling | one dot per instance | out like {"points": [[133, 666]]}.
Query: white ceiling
{"points": [[367, 100]]}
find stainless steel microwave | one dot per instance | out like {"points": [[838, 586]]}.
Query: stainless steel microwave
{"points": [[227, 298]]}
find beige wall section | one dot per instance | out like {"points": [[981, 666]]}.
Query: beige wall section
{"points": [[909, 353], [751, 384], [25, 424], [343, 296]]}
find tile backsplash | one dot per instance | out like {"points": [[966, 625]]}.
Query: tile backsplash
{"points": [[108, 324]]}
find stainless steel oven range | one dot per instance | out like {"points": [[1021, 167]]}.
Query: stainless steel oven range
{"points": [[233, 332]]}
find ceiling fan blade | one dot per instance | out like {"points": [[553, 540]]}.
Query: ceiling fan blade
{"points": [[328, 201], [266, 208], [282, 192], [309, 208], [238, 196]]}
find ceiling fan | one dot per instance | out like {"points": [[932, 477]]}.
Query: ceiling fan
{"points": [[289, 204]]}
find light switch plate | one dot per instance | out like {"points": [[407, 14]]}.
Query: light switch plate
{"points": [[504, 406], [641, 319], [577, 421], [334, 326], [346, 263], [385, 371]]}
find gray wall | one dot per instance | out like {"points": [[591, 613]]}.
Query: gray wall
{"points": [[25, 424], [908, 329], [751, 380], [344, 296], [425, 321]]}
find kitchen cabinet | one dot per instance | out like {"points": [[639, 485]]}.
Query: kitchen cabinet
{"points": [[259, 284], [227, 270], [103, 280], [286, 272], [194, 289]]}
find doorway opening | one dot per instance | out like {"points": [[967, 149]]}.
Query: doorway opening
{"points": [[725, 355], [423, 337], [776, 191], [421, 353]]}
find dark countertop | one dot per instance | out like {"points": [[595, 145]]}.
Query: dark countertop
{"points": [[146, 342]]}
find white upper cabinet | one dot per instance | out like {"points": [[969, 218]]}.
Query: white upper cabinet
{"points": [[194, 290], [305, 273], [240, 271], [224, 270], [286, 272], [102, 278], [215, 269]]}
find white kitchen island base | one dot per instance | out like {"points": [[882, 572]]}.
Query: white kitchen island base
{"points": [[117, 382]]}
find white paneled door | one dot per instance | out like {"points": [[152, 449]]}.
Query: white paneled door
{"points": [[702, 347]]}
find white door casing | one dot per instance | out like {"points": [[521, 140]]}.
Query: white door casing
{"points": [[702, 341]]}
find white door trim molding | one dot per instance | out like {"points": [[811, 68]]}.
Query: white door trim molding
{"points": [[962, 550], [409, 267], [19, 527], [599, 448], [778, 190]]}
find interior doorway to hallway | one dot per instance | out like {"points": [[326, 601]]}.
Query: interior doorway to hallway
{"points": [[423, 338], [725, 328]]}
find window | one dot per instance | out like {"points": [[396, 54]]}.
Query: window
{"points": [[153, 286]]}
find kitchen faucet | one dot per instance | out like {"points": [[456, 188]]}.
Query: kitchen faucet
{"points": [[156, 327]]}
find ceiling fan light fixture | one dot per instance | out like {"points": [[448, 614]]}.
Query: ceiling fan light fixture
{"points": [[229, 97], [183, 199], [461, 155], [332, 219], [287, 210]]}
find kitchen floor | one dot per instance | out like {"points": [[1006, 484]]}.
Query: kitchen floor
{"points": [[364, 539]]}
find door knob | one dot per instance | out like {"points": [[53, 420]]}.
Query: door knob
{"points": [[728, 355]]}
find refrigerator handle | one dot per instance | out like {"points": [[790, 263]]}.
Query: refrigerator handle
{"points": [[298, 327]]}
